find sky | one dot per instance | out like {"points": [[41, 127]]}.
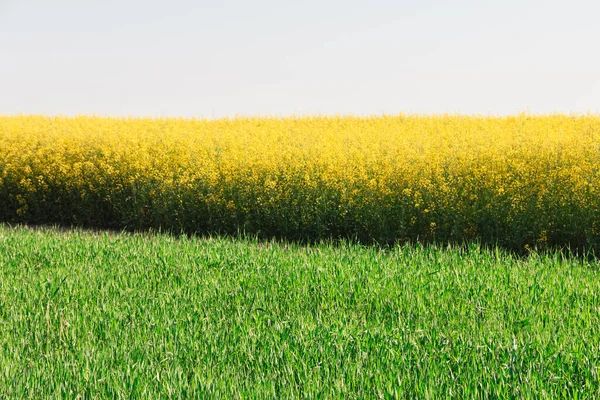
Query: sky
{"points": [[222, 58]]}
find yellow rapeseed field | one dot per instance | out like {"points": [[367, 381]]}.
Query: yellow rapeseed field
{"points": [[520, 181]]}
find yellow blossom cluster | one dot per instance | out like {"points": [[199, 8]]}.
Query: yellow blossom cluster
{"points": [[520, 181]]}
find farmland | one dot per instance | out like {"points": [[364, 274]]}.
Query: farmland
{"points": [[307, 257], [520, 182], [147, 315]]}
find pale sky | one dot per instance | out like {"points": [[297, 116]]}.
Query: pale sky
{"points": [[266, 57]]}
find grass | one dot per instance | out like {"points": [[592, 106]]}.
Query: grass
{"points": [[95, 315]]}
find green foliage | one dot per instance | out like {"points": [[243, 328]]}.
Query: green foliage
{"points": [[100, 315]]}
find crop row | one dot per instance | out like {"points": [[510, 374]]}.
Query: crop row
{"points": [[518, 181]]}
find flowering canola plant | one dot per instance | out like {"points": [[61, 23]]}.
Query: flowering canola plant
{"points": [[518, 181]]}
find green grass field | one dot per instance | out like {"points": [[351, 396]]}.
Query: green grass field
{"points": [[96, 315]]}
